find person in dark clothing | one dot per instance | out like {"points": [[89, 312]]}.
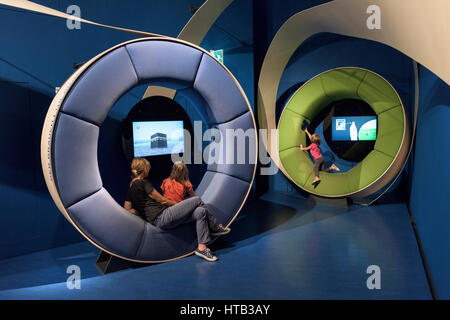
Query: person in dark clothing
{"points": [[144, 200]]}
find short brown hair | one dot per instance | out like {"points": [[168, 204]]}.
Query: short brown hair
{"points": [[138, 166], [179, 172], [315, 138]]}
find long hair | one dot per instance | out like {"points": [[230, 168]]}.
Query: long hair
{"points": [[179, 172], [315, 138], [138, 166]]}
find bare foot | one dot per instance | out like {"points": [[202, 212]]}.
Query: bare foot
{"points": [[316, 179], [334, 167]]}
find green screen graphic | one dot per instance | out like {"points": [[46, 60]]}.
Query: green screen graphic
{"points": [[354, 128], [218, 54]]}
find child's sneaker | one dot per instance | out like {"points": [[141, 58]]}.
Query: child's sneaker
{"points": [[220, 231], [206, 254]]}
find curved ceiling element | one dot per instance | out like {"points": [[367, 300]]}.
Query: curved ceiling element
{"points": [[416, 28], [198, 26], [31, 6], [194, 31]]}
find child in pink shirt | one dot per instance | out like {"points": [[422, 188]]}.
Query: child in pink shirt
{"points": [[178, 185], [315, 153]]}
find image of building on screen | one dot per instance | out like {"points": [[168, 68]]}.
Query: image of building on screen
{"points": [[158, 140]]}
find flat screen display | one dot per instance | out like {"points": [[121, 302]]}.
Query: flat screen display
{"points": [[358, 128], [154, 138]]}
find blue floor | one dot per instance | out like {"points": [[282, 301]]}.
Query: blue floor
{"points": [[280, 247]]}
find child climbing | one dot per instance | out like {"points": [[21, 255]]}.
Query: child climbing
{"points": [[315, 153]]}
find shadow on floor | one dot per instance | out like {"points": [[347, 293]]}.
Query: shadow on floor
{"points": [[258, 218], [48, 267], [271, 214]]}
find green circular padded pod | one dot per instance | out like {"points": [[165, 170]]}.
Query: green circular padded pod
{"points": [[379, 166]]}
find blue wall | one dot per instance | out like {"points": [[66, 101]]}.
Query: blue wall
{"points": [[233, 32], [36, 56], [430, 199]]}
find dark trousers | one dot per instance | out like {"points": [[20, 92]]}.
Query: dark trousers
{"points": [[319, 166], [191, 209]]}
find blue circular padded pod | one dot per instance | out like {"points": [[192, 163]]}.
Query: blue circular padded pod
{"points": [[70, 138]]}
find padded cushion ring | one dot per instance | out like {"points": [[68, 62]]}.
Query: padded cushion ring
{"points": [[379, 166], [70, 138]]}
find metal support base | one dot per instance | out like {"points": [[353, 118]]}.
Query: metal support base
{"points": [[107, 263], [332, 202]]}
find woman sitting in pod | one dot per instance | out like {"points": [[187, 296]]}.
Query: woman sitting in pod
{"points": [[177, 185], [315, 153], [142, 198]]}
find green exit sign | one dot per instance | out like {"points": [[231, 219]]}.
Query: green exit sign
{"points": [[218, 54]]}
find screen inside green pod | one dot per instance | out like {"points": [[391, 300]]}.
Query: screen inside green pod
{"points": [[354, 128]]}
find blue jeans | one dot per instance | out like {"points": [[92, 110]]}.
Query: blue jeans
{"points": [[191, 209]]}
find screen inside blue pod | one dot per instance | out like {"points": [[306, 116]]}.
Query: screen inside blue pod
{"points": [[354, 128], [153, 138]]}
